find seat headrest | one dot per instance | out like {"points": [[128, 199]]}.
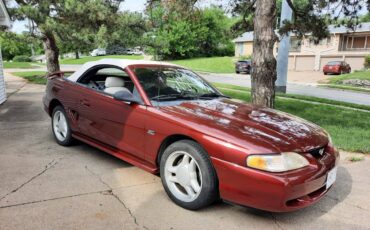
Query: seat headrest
{"points": [[114, 82]]}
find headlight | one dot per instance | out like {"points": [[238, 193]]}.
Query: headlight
{"points": [[277, 162]]}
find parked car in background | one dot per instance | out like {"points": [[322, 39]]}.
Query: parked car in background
{"points": [[135, 52], [169, 121], [116, 50], [244, 66], [98, 52], [336, 67]]}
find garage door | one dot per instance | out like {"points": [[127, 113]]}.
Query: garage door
{"points": [[304, 63], [356, 63], [2, 82], [325, 60], [291, 63]]}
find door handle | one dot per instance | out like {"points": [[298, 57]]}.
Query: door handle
{"points": [[85, 103]]}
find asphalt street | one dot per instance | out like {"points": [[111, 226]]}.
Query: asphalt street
{"points": [[296, 88], [47, 186]]}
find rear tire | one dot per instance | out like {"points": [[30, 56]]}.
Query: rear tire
{"points": [[60, 125], [325, 73], [237, 72], [188, 176]]}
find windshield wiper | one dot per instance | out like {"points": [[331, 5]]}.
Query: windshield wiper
{"points": [[185, 95], [168, 97], [164, 97], [212, 95]]}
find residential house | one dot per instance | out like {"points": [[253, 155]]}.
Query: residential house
{"points": [[4, 22], [343, 44]]}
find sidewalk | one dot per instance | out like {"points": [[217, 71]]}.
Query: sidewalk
{"points": [[13, 83]]}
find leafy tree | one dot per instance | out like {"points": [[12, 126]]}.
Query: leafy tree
{"points": [[13, 44], [51, 19], [128, 30], [309, 17], [217, 39], [365, 18], [180, 30]]}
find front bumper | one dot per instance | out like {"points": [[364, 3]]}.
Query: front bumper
{"points": [[276, 192]]}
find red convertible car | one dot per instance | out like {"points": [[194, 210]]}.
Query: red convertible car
{"points": [[166, 119]]}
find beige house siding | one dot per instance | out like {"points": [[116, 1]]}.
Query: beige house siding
{"points": [[2, 82], [4, 21], [243, 49], [349, 47]]}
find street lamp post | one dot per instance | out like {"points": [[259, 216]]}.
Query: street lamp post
{"points": [[283, 51]]}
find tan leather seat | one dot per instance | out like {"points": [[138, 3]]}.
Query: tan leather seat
{"points": [[114, 84]]}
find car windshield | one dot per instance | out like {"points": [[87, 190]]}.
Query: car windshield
{"points": [[171, 83], [334, 63]]}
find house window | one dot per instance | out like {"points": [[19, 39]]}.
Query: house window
{"points": [[356, 42], [295, 45]]}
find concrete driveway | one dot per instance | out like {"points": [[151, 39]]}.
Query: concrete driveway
{"points": [[46, 186]]}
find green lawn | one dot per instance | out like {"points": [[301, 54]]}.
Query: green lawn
{"points": [[37, 77], [209, 64], [336, 82], [348, 126], [18, 65], [89, 58], [363, 75]]}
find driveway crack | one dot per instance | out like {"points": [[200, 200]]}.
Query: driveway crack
{"points": [[111, 193], [46, 168]]}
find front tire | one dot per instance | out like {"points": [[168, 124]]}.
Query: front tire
{"points": [[60, 126], [188, 176]]}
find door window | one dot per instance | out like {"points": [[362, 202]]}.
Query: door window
{"points": [[109, 80]]}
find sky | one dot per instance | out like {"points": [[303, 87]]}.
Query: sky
{"points": [[130, 5]]}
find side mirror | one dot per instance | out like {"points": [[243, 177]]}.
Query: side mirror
{"points": [[125, 96]]}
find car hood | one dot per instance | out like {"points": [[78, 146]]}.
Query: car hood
{"points": [[257, 128]]}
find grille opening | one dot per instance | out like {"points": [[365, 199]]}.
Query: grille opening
{"points": [[318, 152], [307, 198]]}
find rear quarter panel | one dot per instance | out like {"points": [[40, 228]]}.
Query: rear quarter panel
{"points": [[64, 91]]}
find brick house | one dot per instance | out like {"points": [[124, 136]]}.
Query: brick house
{"points": [[4, 22], [343, 44]]}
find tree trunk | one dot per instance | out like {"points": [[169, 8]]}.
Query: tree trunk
{"points": [[264, 62], [77, 54], [51, 52]]}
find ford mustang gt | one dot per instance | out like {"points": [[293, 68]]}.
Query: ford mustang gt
{"points": [[205, 146]]}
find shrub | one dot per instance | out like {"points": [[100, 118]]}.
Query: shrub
{"points": [[22, 58], [367, 62]]}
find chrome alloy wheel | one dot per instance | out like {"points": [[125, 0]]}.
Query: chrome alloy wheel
{"points": [[183, 176], [60, 127]]}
